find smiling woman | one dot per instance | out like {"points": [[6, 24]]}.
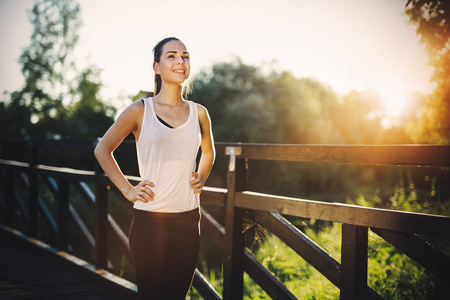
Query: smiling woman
{"points": [[175, 61], [164, 233]]}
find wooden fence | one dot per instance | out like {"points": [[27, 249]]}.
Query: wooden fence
{"points": [[398, 228]]}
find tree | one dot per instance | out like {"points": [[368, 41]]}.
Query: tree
{"points": [[247, 105], [47, 104], [224, 87], [432, 19], [89, 117], [47, 63]]}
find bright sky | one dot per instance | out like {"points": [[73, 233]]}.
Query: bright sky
{"points": [[348, 44]]}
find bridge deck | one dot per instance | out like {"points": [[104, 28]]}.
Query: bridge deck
{"points": [[26, 272]]}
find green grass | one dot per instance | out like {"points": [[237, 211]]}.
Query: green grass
{"points": [[390, 273]]}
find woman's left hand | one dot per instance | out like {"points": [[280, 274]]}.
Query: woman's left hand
{"points": [[196, 184]]}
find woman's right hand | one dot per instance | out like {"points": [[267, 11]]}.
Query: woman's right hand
{"points": [[141, 192]]}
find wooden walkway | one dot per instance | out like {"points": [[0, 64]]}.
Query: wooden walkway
{"points": [[34, 271]]}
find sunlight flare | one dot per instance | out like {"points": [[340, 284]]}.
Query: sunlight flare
{"points": [[394, 103]]}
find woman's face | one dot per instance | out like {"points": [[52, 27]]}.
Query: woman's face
{"points": [[174, 65]]}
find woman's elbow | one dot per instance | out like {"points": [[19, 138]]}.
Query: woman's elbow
{"points": [[96, 152], [212, 154], [99, 151]]}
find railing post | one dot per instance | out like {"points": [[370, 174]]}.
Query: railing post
{"points": [[233, 282], [63, 214], [9, 198], [101, 220], [353, 262], [33, 192]]}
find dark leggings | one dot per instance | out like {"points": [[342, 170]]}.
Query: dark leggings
{"points": [[165, 251]]}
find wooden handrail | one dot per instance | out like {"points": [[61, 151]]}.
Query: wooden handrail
{"points": [[348, 214], [412, 155]]}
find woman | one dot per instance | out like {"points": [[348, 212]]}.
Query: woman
{"points": [[164, 233]]}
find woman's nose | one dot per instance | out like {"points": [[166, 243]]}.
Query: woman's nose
{"points": [[180, 60]]}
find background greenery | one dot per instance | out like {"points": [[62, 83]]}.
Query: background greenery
{"points": [[257, 104]]}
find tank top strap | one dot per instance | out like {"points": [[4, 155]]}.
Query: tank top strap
{"points": [[194, 113]]}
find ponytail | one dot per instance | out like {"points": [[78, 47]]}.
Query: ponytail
{"points": [[158, 84]]}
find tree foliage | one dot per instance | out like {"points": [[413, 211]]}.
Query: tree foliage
{"points": [[247, 105], [432, 19], [47, 62], [56, 100]]}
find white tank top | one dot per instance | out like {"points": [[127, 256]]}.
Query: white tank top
{"points": [[166, 157]]}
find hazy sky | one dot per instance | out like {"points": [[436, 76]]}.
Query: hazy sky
{"points": [[348, 44]]}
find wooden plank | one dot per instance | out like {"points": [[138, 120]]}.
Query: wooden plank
{"points": [[9, 197], [302, 244], [101, 226], [119, 237], [212, 228], [85, 233], [420, 251], [13, 164], [233, 270], [353, 262], [67, 173], [60, 275], [47, 217], [45, 212], [413, 155], [269, 283], [62, 238], [349, 214], [214, 196], [22, 208], [205, 289], [33, 193], [85, 193]]}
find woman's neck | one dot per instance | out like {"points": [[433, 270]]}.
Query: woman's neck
{"points": [[170, 95]]}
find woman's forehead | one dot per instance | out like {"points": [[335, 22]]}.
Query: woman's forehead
{"points": [[174, 45]]}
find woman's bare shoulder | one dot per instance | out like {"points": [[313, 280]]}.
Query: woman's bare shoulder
{"points": [[137, 107], [130, 117], [202, 111]]}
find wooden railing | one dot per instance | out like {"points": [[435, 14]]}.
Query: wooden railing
{"points": [[398, 228]]}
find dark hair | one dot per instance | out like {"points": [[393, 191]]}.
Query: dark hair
{"points": [[157, 52]]}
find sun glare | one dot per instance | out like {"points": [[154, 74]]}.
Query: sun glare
{"points": [[394, 103], [393, 106]]}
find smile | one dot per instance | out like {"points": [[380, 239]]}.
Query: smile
{"points": [[179, 72]]}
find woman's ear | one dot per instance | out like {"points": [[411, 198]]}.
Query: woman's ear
{"points": [[156, 68]]}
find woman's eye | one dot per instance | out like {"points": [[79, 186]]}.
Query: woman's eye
{"points": [[186, 57]]}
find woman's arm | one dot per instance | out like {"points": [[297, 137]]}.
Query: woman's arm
{"points": [[128, 121], [208, 151]]}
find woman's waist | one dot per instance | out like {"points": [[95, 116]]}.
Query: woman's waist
{"points": [[167, 171], [167, 219]]}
